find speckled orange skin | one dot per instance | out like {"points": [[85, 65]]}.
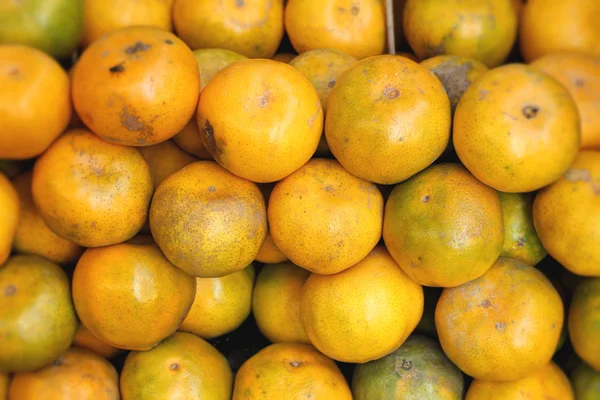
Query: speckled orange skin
{"points": [[38, 321], [183, 366], [276, 302], [516, 129], [324, 218], [584, 321], [221, 304], [294, 370], [164, 159], [190, 141], [87, 340], [269, 253], [9, 219], [92, 192], [385, 126], [77, 374], [33, 235], [502, 326], [566, 216], [207, 221], [136, 86], [356, 27], [364, 312], [211, 61], [253, 28], [135, 281], [260, 119], [580, 74], [35, 101], [548, 383]]}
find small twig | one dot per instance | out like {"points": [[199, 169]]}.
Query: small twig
{"points": [[389, 22]]}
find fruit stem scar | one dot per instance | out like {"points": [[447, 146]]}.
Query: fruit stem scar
{"points": [[295, 363], [530, 111], [174, 367]]}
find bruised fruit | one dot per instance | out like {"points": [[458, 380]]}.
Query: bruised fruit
{"points": [[584, 321], [9, 219]]}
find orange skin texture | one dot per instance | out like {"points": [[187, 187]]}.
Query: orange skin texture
{"points": [[92, 192], [566, 216], [580, 74], [253, 28], [584, 321], [260, 119], [269, 253], [323, 67], [136, 86], [387, 119], [574, 28], [298, 370], [221, 304], [502, 326], [35, 101], [9, 219], [211, 61], [207, 221], [548, 383], [443, 226], [183, 366], [134, 280], [355, 27], [33, 235], [276, 302], [362, 313], [86, 339], [38, 321], [4, 382], [586, 382], [516, 129], [481, 29], [77, 374], [190, 141], [324, 218], [164, 159], [105, 16], [284, 57]]}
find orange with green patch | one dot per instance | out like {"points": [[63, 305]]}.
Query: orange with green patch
{"points": [[586, 383], [584, 321]]}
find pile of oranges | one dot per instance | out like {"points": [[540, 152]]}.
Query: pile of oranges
{"points": [[419, 225]]}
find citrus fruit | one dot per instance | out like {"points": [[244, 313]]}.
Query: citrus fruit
{"points": [[296, 370], [34, 102], [77, 374], [92, 192], [443, 226], [260, 119], [37, 318], [182, 366], [362, 313], [276, 302], [502, 326], [387, 119], [86, 339], [269, 253], [135, 280], [207, 221], [190, 141], [9, 219], [584, 321], [211, 61], [417, 370], [4, 382], [164, 159], [516, 129], [323, 218], [586, 383], [137, 86]]}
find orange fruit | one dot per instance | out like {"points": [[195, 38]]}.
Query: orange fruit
{"points": [[92, 192], [276, 302], [135, 280], [211, 61], [4, 382], [221, 304], [86, 339], [33, 235], [483, 30], [182, 366], [34, 102], [102, 17], [574, 28], [164, 159], [323, 218], [586, 383], [356, 27], [362, 313], [443, 226], [137, 86], [269, 253], [419, 369], [298, 370], [9, 219], [549, 382], [566, 215], [284, 57], [253, 28], [516, 129], [190, 141], [580, 74], [260, 119], [37, 319], [385, 126], [512, 317], [77, 374], [584, 321]]}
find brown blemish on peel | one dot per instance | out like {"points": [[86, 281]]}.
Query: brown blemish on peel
{"points": [[174, 367], [10, 290], [454, 79], [295, 363], [485, 303], [402, 365], [530, 112], [354, 10], [390, 92], [331, 84], [117, 68], [521, 242], [137, 47], [130, 121], [425, 198]]}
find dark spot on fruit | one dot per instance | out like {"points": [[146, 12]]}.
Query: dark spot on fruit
{"points": [[420, 258], [239, 3], [212, 189], [14, 72], [501, 326], [168, 41], [425, 198], [485, 303], [58, 362], [328, 188], [263, 100], [521, 242], [300, 197], [174, 367], [391, 92], [402, 364], [331, 84], [454, 78], [10, 290], [530, 111], [117, 68], [130, 121], [346, 140], [354, 10], [295, 363], [553, 326], [137, 47], [578, 83]]}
